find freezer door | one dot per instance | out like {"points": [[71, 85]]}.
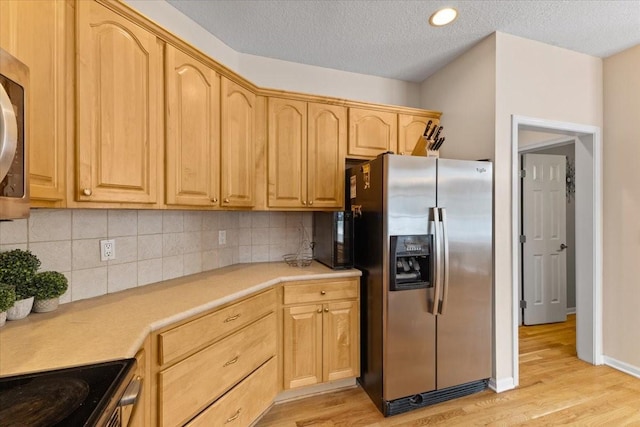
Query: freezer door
{"points": [[410, 345], [464, 325], [409, 193]]}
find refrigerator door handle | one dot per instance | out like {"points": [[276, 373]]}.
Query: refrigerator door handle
{"points": [[436, 262], [445, 269]]}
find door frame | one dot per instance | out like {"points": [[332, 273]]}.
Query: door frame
{"points": [[588, 196]]}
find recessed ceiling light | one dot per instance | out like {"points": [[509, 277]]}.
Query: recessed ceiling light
{"points": [[443, 17]]}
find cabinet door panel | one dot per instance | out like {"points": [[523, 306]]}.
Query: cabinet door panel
{"points": [[302, 355], [326, 151], [39, 34], [341, 340], [192, 114], [410, 130], [371, 132], [118, 107], [287, 153], [238, 145]]}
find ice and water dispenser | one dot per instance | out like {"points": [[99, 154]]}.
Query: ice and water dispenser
{"points": [[410, 262]]}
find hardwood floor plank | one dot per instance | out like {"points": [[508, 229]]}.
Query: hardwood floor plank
{"points": [[555, 388]]}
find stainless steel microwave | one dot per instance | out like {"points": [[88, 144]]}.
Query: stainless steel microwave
{"points": [[14, 185]]}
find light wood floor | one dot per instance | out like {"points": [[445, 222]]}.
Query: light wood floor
{"points": [[555, 388]]}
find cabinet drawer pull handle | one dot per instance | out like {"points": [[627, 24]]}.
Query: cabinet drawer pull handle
{"points": [[231, 318], [87, 192], [226, 200], [231, 362], [304, 203], [214, 200], [310, 202], [234, 417], [326, 310], [319, 310], [323, 292]]}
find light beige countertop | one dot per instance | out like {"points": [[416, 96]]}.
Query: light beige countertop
{"points": [[114, 326]]}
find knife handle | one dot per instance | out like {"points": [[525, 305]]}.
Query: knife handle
{"points": [[432, 132], [426, 130], [438, 133]]}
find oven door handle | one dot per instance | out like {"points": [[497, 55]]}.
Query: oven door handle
{"points": [[8, 133], [130, 396]]}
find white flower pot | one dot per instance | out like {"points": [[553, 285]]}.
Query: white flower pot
{"points": [[20, 309], [3, 318], [45, 305]]}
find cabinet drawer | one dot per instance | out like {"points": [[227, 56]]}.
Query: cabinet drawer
{"points": [[190, 385], [245, 402], [185, 338], [320, 290]]}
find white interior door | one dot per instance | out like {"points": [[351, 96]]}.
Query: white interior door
{"points": [[544, 258]]}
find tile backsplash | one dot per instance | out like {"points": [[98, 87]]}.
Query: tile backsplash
{"points": [[150, 245]]}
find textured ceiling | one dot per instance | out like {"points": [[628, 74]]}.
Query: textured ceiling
{"points": [[393, 39]]}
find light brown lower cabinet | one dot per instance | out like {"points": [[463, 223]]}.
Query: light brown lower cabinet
{"points": [[226, 366], [321, 341], [191, 385], [245, 402]]}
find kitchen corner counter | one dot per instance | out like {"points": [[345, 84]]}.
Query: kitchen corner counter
{"points": [[114, 326]]}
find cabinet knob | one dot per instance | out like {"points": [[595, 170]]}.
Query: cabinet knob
{"points": [[326, 310], [214, 200], [323, 292], [304, 203], [87, 192], [226, 200], [310, 202], [319, 310]]}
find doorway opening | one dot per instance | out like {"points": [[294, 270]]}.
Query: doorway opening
{"points": [[588, 227], [547, 219]]}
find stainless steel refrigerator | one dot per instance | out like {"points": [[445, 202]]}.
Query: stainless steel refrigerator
{"points": [[423, 239]]}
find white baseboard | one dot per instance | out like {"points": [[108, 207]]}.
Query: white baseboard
{"points": [[501, 385], [571, 310], [289, 395], [622, 366]]}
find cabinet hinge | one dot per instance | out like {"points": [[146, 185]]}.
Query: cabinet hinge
{"points": [[523, 173], [523, 304], [523, 238]]}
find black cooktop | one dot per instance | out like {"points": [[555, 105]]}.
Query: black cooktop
{"points": [[64, 397]]}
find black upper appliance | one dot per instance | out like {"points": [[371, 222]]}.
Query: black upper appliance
{"points": [[333, 238]]}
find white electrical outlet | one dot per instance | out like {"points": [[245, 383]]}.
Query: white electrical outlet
{"points": [[222, 237], [107, 250]]}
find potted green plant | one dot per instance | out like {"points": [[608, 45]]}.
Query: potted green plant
{"points": [[7, 299], [17, 268], [48, 285]]}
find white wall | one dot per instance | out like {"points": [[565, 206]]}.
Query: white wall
{"points": [[622, 209], [542, 81], [277, 74], [464, 91]]}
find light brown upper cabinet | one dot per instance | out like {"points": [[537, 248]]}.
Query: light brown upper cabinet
{"points": [[306, 145], [40, 34], [410, 130], [238, 130], [193, 131], [326, 149], [371, 132], [119, 108]]}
